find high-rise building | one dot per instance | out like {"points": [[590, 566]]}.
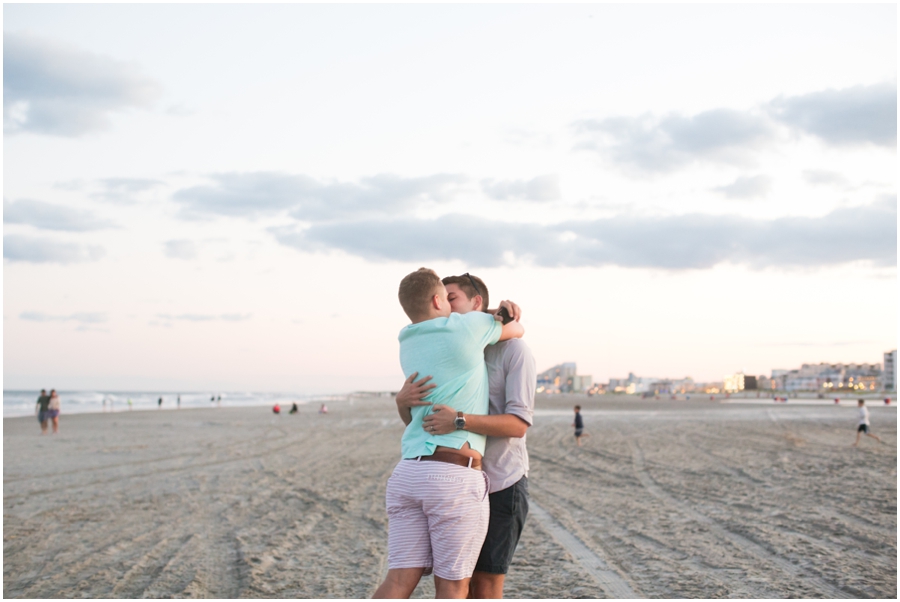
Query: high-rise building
{"points": [[734, 382], [559, 378], [889, 376]]}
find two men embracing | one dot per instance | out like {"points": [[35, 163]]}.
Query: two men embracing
{"points": [[457, 501]]}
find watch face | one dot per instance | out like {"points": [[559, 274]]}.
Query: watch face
{"points": [[460, 422]]}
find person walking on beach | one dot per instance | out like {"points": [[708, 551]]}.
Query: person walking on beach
{"points": [[864, 423], [512, 378], [41, 408], [159, 403], [53, 410], [579, 426], [436, 497], [178, 402]]}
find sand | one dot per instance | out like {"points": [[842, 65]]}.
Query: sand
{"points": [[665, 499]]}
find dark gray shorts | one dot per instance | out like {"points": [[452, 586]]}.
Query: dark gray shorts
{"points": [[509, 507]]}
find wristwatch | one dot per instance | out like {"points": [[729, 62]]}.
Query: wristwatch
{"points": [[460, 421]]}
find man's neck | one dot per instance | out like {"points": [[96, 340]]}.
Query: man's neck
{"points": [[431, 316]]}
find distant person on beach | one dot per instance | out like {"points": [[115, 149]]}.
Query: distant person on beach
{"points": [[159, 403], [294, 408], [864, 423], [178, 402], [41, 408], [323, 409], [129, 403], [579, 426], [437, 496], [53, 410]]}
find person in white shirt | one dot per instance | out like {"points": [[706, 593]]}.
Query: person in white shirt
{"points": [[864, 422]]}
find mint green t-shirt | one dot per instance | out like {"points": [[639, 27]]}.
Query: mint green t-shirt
{"points": [[451, 350]]}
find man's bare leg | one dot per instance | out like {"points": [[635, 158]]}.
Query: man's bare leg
{"points": [[486, 586], [857, 438], [874, 437], [445, 589], [399, 583], [44, 427]]}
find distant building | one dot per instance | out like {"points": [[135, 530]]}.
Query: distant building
{"points": [[563, 378], [581, 383], [889, 376], [832, 377], [750, 383], [733, 382]]}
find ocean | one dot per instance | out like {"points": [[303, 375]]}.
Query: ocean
{"points": [[21, 403]]}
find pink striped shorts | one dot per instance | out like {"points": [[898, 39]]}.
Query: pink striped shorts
{"points": [[438, 517]]}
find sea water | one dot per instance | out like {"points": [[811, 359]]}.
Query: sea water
{"points": [[22, 403]]}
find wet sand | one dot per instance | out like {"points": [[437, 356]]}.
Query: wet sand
{"points": [[665, 499]]}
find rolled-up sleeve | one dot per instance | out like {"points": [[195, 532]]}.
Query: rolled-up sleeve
{"points": [[521, 381]]}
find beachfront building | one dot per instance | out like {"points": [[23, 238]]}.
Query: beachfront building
{"points": [[631, 385], [563, 378], [733, 382], [889, 376], [832, 377], [581, 383]]}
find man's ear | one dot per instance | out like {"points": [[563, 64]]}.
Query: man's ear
{"points": [[436, 301], [479, 303]]}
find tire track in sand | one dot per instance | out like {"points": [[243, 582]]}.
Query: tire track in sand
{"points": [[612, 584], [742, 543]]}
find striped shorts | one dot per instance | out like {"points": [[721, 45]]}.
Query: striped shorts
{"points": [[438, 517]]}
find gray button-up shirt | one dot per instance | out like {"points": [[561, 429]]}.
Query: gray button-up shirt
{"points": [[512, 378]]}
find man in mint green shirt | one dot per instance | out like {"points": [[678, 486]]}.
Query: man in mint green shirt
{"points": [[437, 495]]}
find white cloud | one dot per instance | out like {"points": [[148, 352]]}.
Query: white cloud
{"points": [[42, 250], [50, 88], [51, 217], [181, 249]]}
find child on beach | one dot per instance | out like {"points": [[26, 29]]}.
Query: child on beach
{"points": [[864, 422], [436, 498], [579, 426]]}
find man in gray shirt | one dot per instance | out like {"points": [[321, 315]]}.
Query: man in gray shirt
{"points": [[512, 377]]}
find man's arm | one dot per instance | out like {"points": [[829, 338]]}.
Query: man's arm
{"points": [[495, 425], [513, 330], [410, 395]]}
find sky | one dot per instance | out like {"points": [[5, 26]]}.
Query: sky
{"points": [[226, 197]]}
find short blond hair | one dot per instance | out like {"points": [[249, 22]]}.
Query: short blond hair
{"points": [[416, 291]]}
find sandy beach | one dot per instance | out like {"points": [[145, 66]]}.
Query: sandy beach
{"points": [[665, 499]]}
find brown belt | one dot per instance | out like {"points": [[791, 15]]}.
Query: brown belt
{"points": [[451, 458]]}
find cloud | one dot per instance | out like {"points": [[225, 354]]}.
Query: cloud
{"points": [[51, 217], [541, 188], [83, 318], [673, 243], [857, 115], [663, 144], [181, 249], [40, 250], [54, 89], [746, 187], [123, 190], [266, 193], [205, 317], [818, 177]]}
